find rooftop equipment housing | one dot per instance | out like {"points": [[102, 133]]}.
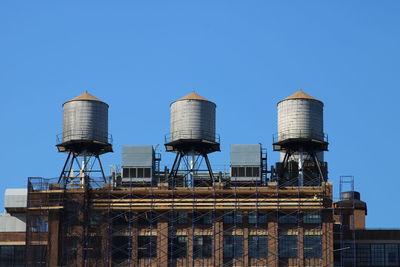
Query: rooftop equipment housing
{"points": [[15, 203], [138, 163], [15, 199], [246, 162]]}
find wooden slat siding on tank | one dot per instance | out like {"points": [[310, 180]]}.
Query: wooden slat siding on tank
{"points": [[300, 118], [85, 120], [192, 119]]}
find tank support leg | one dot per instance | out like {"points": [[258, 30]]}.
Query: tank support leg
{"points": [[318, 166], [101, 168], [174, 171], [65, 165], [210, 172]]}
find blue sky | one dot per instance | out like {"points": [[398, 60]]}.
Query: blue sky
{"points": [[139, 56]]}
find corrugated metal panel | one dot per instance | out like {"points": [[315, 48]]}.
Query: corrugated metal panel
{"points": [[246, 155], [10, 223], [192, 119], [137, 156], [85, 120], [15, 198]]}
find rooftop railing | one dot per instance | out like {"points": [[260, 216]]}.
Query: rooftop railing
{"points": [[293, 134], [83, 135], [192, 134]]}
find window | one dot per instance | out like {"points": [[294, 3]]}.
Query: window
{"points": [[391, 255], [147, 218], [71, 242], [287, 218], [378, 254], [233, 217], [122, 243], [258, 246], [178, 217], [348, 254], [312, 217], [177, 247], [287, 246], [257, 217], [147, 247], [38, 255], [94, 250], [39, 224], [363, 254], [312, 246], [203, 217], [12, 256], [202, 246], [233, 246]]}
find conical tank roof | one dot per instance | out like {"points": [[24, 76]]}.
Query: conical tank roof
{"points": [[300, 95], [85, 97], [193, 96]]}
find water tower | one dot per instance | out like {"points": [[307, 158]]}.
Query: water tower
{"points": [[84, 138], [192, 136], [301, 140]]}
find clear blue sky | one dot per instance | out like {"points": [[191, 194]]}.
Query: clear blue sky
{"points": [[139, 56]]}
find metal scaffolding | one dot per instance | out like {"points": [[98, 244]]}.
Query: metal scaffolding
{"points": [[347, 249], [220, 225]]}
